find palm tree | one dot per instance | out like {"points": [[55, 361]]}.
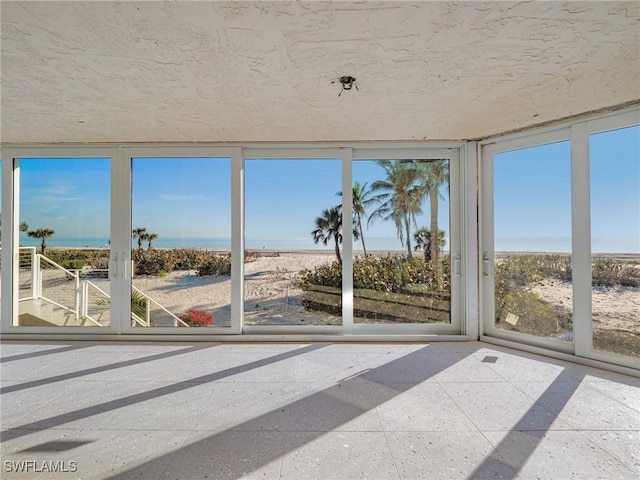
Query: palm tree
{"points": [[399, 197], [435, 173], [422, 237], [150, 237], [24, 226], [139, 234], [43, 234], [328, 226], [361, 200]]}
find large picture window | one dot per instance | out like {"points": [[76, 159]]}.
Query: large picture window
{"points": [[614, 169], [293, 242], [401, 257], [532, 228], [64, 242], [181, 242], [560, 239]]}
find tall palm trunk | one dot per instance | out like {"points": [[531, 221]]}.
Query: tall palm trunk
{"points": [[435, 247], [407, 227], [364, 247], [335, 237]]}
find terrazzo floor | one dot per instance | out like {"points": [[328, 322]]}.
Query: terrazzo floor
{"points": [[80, 410]]}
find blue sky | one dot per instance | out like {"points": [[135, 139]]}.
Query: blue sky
{"points": [[532, 193], [615, 183], [182, 197], [191, 197], [283, 197], [69, 196]]}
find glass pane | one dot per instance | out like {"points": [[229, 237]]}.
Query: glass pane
{"points": [[181, 242], [401, 256], [615, 240], [532, 215], [64, 242], [293, 238]]}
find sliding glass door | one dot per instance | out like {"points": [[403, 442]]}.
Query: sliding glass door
{"points": [[293, 242], [61, 278], [560, 245], [614, 181], [211, 240], [532, 235], [402, 248], [179, 249]]}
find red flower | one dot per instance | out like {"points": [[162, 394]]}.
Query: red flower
{"points": [[197, 318]]}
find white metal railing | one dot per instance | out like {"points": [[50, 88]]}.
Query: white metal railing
{"points": [[78, 304], [149, 301], [77, 300]]}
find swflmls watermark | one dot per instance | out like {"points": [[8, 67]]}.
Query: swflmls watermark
{"points": [[40, 466]]}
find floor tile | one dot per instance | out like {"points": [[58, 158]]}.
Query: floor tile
{"points": [[162, 406], [625, 445], [19, 402], [325, 367], [333, 455], [343, 407], [467, 369], [227, 455], [446, 455], [94, 454], [424, 407], [79, 404], [395, 368], [314, 410], [624, 393], [501, 406], [244, 406], [524, 367], [581, 406], [554, 455]]}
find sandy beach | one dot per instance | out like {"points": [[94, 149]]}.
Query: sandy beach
{"points": [[271, 297], [612, 308]]}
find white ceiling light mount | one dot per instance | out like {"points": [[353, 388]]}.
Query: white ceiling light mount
{"points": [[347, 82]]}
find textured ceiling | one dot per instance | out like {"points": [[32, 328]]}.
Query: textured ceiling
{"points": [[256, 71]]}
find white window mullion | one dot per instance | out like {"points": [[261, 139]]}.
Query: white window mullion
{"points": [[120, 256], [468, 239], [237, 241], [347, 240], [10, 192], [581, 240], [486, 252]]}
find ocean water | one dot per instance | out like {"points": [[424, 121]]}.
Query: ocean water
{"points": [[563, 244], [502, 244], [213, 243]]}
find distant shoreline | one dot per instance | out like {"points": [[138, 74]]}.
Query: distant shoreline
{"points": [[330, 252]]}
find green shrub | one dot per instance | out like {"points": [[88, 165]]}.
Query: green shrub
{"points": [[522, 270], [607, 272], [391, 273], [156, 261], [515, 274], [190, 258], [152, 262], [535, 316], [73, 264], [216, 265], [93, 257]]}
